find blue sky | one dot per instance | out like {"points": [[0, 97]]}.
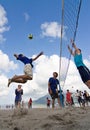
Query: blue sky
{"points": [[26, 17], [22, 17], [38, 12]]}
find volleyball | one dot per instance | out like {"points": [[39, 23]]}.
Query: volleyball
{"points": [[30, 36]]}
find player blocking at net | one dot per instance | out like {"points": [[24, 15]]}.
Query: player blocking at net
{"points": [[83, 70]]}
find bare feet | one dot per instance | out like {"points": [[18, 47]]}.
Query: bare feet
{"points": [[9, 82]]}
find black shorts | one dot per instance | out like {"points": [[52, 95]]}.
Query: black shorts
{"points": [[84, 73], [54, 95]]}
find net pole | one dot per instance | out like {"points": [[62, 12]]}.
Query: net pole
{"points": [[62, 18]]}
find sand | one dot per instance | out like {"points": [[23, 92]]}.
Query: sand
{"points": [[45, 119]]}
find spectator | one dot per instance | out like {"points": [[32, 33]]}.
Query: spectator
{"points": [[30, 103], [48, 102], [18, 98], [53, 89], [68, 98]]}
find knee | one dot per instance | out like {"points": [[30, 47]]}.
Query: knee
{"points": [[24, 81], [88, 83]]}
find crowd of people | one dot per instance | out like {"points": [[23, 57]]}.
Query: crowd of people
{"points": [[63, 99], [78, 98], [83, 98]]}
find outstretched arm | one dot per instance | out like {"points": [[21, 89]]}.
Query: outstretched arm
{"points": [[70, 50], [74, 45], [49, 88], [41, 53]]}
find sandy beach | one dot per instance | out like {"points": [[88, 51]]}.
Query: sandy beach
{"points": [[45, 119]]}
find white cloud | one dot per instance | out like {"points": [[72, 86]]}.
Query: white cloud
{"points": [[2, 39], [43, 69], [5, 64], [4, 29], [52, 29], [3, 19], [3, 84], [26, 15], [87, 62], [3, 23]]}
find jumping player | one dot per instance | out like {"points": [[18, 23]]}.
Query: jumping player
{"points": [[83, 70], [28, 75]]}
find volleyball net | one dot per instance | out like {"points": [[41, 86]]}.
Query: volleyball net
{"points": [[69, 24]]}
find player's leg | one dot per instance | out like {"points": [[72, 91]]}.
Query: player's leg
{"points": [[24, 77], [85, 75], [88, 83], [53, 103], [17, 80]]}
